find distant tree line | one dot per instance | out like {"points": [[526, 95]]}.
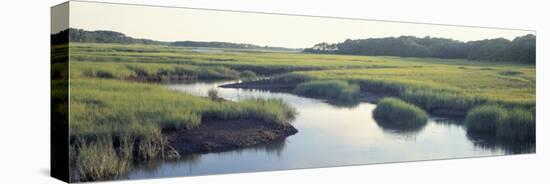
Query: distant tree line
{"points": [[521, 49], [80, 35], [228, 45]]}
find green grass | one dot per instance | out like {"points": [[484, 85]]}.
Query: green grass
{"points": [[248, 75], [107, 107], [427, 82], [509, 124], [334, 90], [485, 118], [393, 113], [432, 84], [519, 125], [147, 71], [99, 161], [437, 85], [257, 62], [266, 110]]}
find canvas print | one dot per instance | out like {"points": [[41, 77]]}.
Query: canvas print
{"points": [[146, 92]]}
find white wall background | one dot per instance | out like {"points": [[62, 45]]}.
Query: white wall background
{"points": [[24, 98]]}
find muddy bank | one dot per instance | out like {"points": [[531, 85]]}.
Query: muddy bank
{"points": [[365, 95], [224, 135]]}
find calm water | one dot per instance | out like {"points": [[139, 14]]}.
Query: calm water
{"points": [[328, 136]]}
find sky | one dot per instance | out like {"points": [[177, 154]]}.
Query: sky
{"points": [[59, 18], [181, 24]]}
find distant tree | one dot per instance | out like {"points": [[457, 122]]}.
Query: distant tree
{"points": [[521, 49], [489, 49], [80, 35]]}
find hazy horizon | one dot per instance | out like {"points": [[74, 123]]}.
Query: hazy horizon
{"points": [[183, 24]]}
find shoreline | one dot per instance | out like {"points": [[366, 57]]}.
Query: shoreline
{"points": [[368, 96], [220, 135], [225, 135], [364, 96]]}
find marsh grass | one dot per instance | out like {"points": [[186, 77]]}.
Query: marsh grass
{"points": [[453, 84], [438, 87], [519, 125], [433, 100], [266, 110], [510, 124], [393, 113], [98, 161], [115, 122], [150, 72], [333, 90], [248, 75], [485, 118], [214, 94], [119, 118]]}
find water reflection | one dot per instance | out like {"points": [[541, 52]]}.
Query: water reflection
{"points": [[329, 135], [459, 122], [275, 148], [391, 127], [491, 142], [344, 104], [194, 164]]}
